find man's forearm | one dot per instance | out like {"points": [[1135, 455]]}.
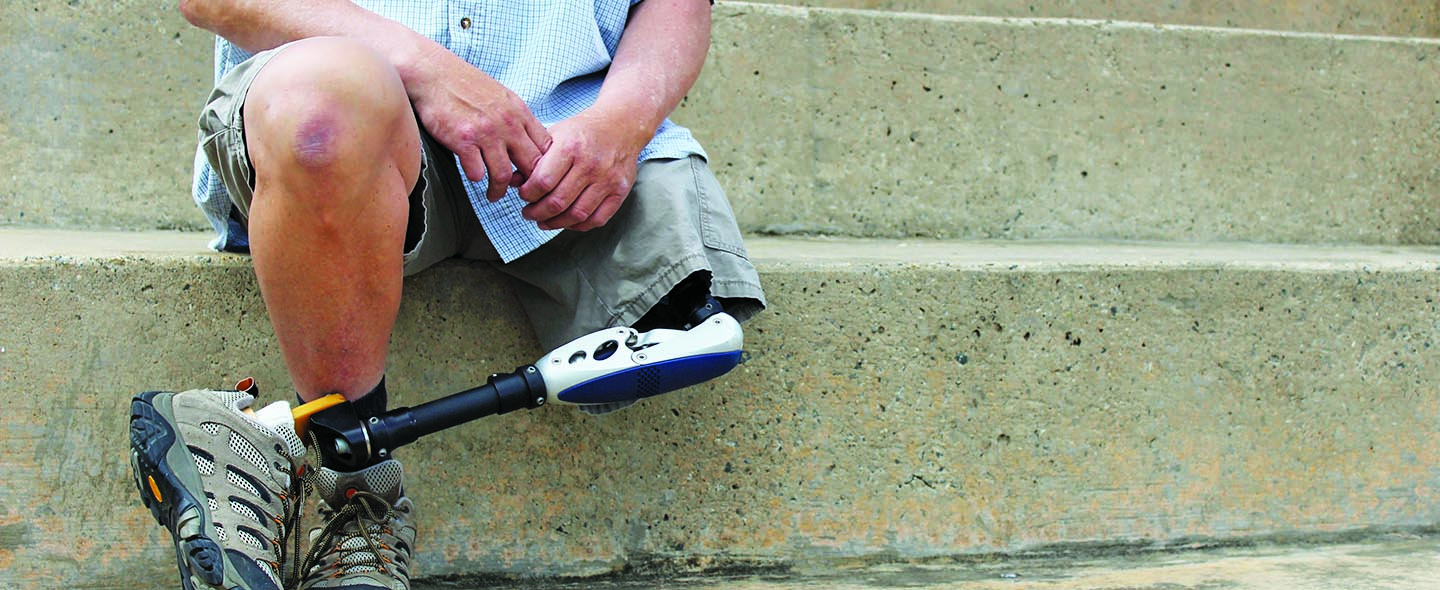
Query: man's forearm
{"points": [[659, 58]]}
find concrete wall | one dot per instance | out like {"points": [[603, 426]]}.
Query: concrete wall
{"points": [[973, 128], [820, 121], [98, 102]]}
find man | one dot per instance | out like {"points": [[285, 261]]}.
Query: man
{"points": [[349, 144]]}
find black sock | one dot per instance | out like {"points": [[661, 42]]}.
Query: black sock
{"points": [[370, 404], [373, 403]]}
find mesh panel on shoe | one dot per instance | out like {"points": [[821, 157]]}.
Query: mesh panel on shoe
{"points": [[205, 462], [247, 509], [384, 478], [325, 481], [253, 537], [235, 479], [359, 546], [248, 452]]}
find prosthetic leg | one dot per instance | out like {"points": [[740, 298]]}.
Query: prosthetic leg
{"points": [[612, 365]]}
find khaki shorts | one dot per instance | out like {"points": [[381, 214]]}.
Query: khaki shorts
{"points": [[676, 222]]}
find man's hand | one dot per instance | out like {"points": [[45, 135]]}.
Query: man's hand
{"points": [[587, 172], [491, 130], [484, 123]]}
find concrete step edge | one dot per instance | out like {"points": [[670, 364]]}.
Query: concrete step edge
{"points": [[733, 9], [25, 244], [1397, 561]]}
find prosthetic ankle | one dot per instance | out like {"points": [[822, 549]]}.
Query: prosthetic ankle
{"points": [[356, 411], [609, 366]]}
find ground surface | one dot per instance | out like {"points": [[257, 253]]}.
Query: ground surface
{"points": [[1396, 562]]}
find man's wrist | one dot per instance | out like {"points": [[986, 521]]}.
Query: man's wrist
{"points": [[624, 126]]}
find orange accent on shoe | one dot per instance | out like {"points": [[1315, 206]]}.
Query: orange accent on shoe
{"points": [[350, 493], [155, 489]]}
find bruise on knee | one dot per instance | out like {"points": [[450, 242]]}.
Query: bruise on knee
{"points": [[317, 141]]}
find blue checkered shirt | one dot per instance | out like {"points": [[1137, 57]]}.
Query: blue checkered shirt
{"points": [[552, 53]]}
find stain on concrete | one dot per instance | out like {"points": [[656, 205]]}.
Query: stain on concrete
{"points": [[15, 536]]}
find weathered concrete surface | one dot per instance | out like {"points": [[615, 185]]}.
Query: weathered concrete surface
{"points": [[856, 124], [98, 102], [982, 128], [1385, 563], [1403, 18], [892, 404]]}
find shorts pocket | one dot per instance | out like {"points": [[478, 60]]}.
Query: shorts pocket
{"points": [[718, 228]]}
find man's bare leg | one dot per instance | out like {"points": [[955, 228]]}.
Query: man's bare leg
{"points": [[336, 152]]}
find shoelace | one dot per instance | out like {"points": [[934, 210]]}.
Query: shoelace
{"points": [[361, 510], [301, 486]]}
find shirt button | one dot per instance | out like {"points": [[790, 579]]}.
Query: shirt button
{"points": [[465, 23]]}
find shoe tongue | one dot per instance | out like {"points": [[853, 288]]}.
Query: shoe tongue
{"points": [[279, 420], [275, 419], [382, 479]]}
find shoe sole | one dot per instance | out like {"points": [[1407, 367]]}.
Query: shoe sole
{"points": [[161, 485]]}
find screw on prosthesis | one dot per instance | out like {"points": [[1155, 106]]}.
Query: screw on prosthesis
{"points": [[344, 441]]}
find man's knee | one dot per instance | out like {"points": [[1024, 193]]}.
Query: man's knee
{"points": [[324, 102]]}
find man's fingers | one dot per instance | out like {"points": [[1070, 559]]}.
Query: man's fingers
{"points": [[556, 203], [602, 214], [578, 212], [539, 135], [541, 140], [497, 163], [526, 155], [471, 162], [551, 171]]}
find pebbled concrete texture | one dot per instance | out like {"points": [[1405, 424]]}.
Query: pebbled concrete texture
{"points": [[98, 102], [908, 401], [970, 128], [857, 124], [1401, 18], [890, 405]]}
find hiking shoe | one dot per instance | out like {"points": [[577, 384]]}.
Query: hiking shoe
{"points": [[222, 480], [370, 531]]}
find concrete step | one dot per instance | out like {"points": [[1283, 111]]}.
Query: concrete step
{"points": [[859, 124], [898, 401], [1385, 563], [897, 126], [1401, 18]]}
